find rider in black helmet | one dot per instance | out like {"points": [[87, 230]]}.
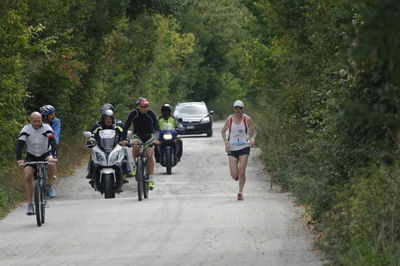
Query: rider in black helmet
{"points": [[166, 117]]}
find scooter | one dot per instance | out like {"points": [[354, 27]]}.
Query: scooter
{"points": [[168, 145], [107, 156]]}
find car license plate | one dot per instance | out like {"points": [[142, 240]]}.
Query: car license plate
{"points": [[190, 127]]}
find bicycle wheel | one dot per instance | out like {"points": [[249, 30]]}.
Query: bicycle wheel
{"points": [[43, 202], [139, 178], [38, 200]]}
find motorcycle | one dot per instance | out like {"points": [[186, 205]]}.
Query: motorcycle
{"points": [[168, 145], [107, 156]]}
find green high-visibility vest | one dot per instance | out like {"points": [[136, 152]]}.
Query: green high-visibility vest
{"points": [[162, 121]]}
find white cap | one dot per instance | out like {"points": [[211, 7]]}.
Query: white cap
{"points": [[238, 103]]}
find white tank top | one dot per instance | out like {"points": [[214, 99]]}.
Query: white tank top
{"points": [[238, 138]]}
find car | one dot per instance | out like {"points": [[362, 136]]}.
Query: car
{"points": [[193, 118]]}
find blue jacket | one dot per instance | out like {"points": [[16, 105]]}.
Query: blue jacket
{"points": [[56, 126]]}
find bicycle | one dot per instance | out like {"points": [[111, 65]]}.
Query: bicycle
{"points": [[39, 191], [140, 176]]}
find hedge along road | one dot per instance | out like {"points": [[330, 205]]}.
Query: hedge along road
{"points": [[191, 218]]}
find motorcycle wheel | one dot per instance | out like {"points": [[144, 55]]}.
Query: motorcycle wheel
{"points": [[108, 186], [168, 158]]}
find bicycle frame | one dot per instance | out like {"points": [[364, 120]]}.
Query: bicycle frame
{"points": [[141, 164], [40, 199]]}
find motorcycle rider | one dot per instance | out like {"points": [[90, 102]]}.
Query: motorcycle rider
{"points": [[107, 121], [166, 117], [48, 113], [40, 145], [145, 126]]}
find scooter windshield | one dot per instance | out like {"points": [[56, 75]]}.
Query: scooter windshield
{"points": [[107, 140]]}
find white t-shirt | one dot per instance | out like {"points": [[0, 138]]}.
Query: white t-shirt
{"points": [[37, 140]]}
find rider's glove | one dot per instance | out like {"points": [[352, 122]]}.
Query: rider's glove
{"points": [[90, 143]]}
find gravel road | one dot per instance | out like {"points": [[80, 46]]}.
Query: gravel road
{"points": [[191, 218]]}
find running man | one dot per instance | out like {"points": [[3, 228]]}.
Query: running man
{"points": [[241, 137]]}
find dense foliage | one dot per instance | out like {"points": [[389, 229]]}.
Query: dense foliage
{"points": [[319, 77]]}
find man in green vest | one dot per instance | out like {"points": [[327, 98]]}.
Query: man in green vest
{"points": [[166, 117]]}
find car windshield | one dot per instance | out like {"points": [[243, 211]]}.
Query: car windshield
{"points": [[190, 110]]}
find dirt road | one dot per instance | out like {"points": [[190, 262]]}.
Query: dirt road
{"points": [[191, 218]]}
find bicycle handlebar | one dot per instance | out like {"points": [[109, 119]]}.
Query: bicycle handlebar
{"points": [[38, 162]]}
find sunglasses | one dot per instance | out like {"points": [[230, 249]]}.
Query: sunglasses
{"points": [[238, 107], [143, 106]]}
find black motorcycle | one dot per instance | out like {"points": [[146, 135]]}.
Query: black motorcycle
{"points": [[168, 147]]}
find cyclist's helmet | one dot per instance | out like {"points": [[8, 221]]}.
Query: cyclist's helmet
{"points": [[166, 110], [107, 106], [141, 100], [47, 109]]}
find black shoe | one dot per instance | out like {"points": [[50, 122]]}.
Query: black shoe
{"points": [[91, 183], [89, 176]]}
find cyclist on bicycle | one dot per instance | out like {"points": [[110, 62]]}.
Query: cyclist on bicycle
{"points": [[166, 117], [40, 145], [48, 113], [145, 126]]}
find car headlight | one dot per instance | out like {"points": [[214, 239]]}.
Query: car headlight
{"points": [[167, 136], [99, 158], [205, 120]]}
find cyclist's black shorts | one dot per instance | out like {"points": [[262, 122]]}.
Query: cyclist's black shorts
{"points": [[33, 158], [145, 137], [236, 154]]}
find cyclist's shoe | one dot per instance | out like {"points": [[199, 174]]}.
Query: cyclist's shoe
{"points": [[29, 209], [89, 176], [134, 170], [91, 182], [151, 184], [240, 196], [51, 192]]}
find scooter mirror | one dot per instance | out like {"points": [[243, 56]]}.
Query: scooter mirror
{"points": [[87, 134], [129, 135]]}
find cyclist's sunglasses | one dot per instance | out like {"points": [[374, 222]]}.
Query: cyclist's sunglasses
{"points": [[143, 106], [238, 107]]}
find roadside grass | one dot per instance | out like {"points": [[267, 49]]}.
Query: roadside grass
{"points": [[72, 154]]}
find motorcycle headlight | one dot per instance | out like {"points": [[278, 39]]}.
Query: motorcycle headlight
{"points": [[167, 136], [205, 120], [115, 158], [99, 158]]}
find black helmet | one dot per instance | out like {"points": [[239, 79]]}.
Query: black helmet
{"points": [[107, 106], [47, 109], [166, 109]]}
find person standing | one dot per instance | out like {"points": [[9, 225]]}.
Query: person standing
{"points": [[241, 136], [40, 145]]}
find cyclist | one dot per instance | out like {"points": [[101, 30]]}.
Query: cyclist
{"points": [[166, 117], [241, 137], [107, 121], [145, 126], [40, 145], [48, 113]]}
